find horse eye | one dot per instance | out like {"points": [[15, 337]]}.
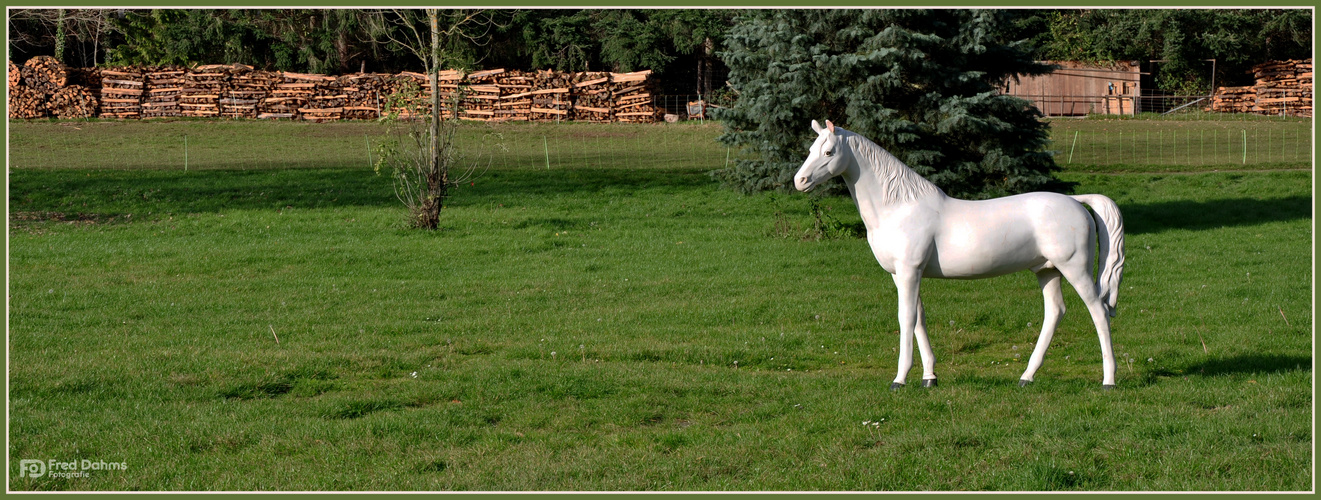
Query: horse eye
{"points": [[829, 153]]}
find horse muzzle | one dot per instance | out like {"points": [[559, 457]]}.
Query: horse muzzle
{"points": [[804, 183]]}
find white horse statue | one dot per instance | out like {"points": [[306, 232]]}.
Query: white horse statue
{"points": [[916, 231]]}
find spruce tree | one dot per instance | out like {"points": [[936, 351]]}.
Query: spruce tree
{"points": [[921, 83]]}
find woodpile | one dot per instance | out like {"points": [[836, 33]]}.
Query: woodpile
{"points": [[163, 88], [121, 92], [363, 93], [1235, 100], [26, 103], [325, 99], [550, 96], [87, 77], [44, 74], [73, 101], [408, 94], [1282, 88], [479, 100], [240, 91], [515, 100], [634, 103], [593, 97], [245, 90]]}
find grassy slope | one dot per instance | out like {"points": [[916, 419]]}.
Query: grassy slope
{"points": [[579, 328]]}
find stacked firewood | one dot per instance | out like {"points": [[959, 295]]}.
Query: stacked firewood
{"points": [[1235, 100], [240, 91], [515, 98], [26, 103], [593, 97], [633, 98], [245, 90], [73, 101], [483, 92], [289, 92], [325, 98], [164, 85], [87, 77], [363, 92], [121, 92], [203, 87], [407, 94], [1283, 87], [550, 95], [44, 74], [14, 75]]}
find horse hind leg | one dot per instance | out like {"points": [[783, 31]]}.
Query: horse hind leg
{"points": [[924, 346], [1080, 276], [1049, 280]]}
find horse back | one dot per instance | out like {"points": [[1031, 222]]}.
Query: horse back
{"points": [[985, 238]]}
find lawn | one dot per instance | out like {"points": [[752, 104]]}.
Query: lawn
{"points": [[1181, 144], [612, 321]]}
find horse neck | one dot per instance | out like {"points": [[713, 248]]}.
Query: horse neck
{"points": [[883, 178]]}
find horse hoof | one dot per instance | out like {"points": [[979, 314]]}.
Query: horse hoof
{"points": [[1024, 383], [1107, 387], [929, 383], [896, 386]]}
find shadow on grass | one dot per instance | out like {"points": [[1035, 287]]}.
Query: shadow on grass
{"points": [[1200, 215], [1250, 363], [117, 192]]}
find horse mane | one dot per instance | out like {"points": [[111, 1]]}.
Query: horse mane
{"points": [[899, 183]]}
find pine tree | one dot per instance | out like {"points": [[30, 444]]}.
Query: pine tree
{"points": [[921, 83]]}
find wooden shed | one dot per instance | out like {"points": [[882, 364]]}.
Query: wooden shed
{"points": [[1077, 88]]}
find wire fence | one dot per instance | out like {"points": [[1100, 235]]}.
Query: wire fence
{"points": [[1279, 103], [1201, 139], [684, 145], [1258, 142]]}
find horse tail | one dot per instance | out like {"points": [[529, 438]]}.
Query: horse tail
{"points": [[1110, 234]]}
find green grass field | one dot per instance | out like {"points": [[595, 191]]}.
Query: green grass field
{"points": [[1180, 144], [615, 322]]}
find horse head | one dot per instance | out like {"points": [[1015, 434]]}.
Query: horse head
{"points": [[828, 157]]}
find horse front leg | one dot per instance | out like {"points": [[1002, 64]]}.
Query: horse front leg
{"points": [[907, 283]]}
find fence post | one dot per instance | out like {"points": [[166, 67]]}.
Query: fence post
{"points": [[185, 152], [368, 141], [546, 146], [1245, 146], [1071, 148]]}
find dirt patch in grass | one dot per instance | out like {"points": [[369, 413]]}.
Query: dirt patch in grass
{"points": [[31, 220]]}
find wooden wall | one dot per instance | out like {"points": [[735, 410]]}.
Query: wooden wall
{"points": [[1078, 89]]}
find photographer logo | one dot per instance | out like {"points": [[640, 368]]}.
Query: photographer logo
{"points": [[70, 469], [31, 468]]}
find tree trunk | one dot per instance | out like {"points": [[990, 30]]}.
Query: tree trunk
{"points": [[59, 35], [437, 174]]}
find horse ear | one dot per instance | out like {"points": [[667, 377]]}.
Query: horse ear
{"points": [[816, 126], [830, 126]]}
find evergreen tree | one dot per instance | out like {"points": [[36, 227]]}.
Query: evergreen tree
{"points": [[921, 83]]}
